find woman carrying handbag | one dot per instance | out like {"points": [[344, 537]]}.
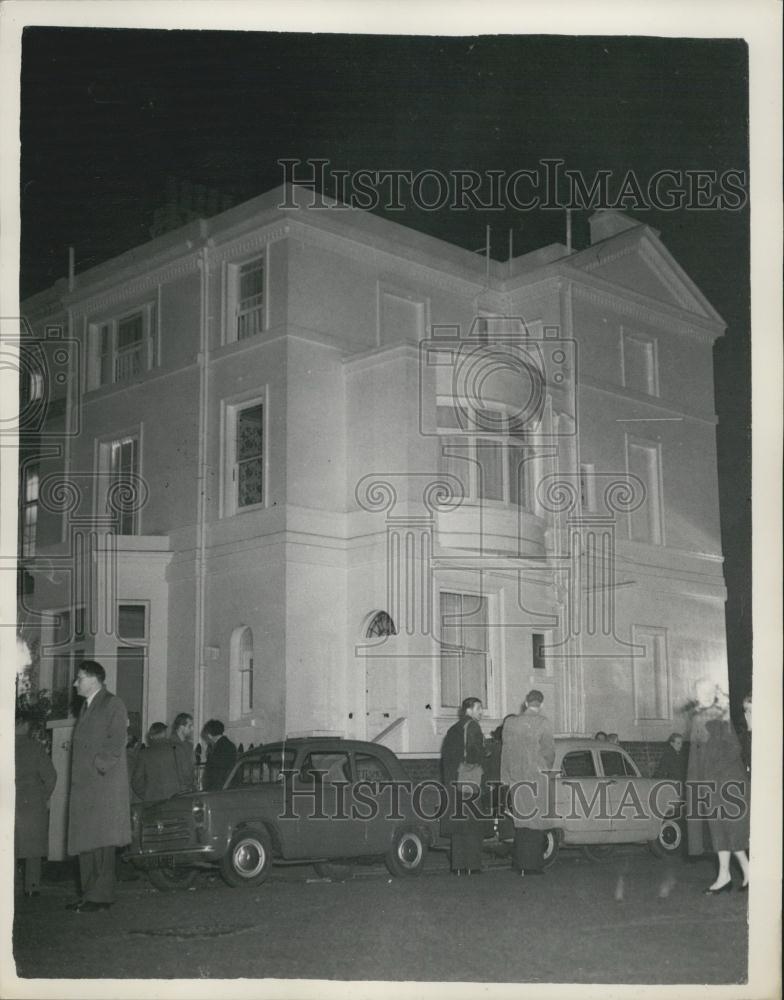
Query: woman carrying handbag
{"points": [[462, 756]]}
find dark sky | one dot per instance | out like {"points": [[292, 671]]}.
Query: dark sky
{"points": [[108, 115]]}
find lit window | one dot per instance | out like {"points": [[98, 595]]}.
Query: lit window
{"points": [[640, 368], [465, 648], [28, 512]]}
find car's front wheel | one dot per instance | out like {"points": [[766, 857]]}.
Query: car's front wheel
{"points": [[552, 845], [669, 842], [169, 879], [406, 856], [248, 859]]}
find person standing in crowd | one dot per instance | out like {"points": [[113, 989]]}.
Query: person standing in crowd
{"points": [[612, 737], [35, 781], [715, 762], [182, 741], [601, 736], [672, 763], [463, 745], [527, 753], [155, 775], [99, 818], [221, 755]]}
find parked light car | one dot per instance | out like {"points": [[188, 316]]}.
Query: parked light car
{"points": [[333, 806], [627, 808]]}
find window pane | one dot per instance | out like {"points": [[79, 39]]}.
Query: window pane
{"points": [[579, 765], [250, 485], [129, 331], [130, 686], [250, 299], [131, 620], [62, 628], [250, 432], [369, 768], [518, 475], [491, 459], [450, 638], [613, 764], [473, 676], [31, 483]]}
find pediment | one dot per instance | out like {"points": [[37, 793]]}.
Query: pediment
{"points": [[639, 261]]}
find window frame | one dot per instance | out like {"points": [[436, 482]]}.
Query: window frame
{"points": [[104, 349], [104, 448], [472, 443], [74, 650], [489, 693], [230, 410], [232, 275], [28, 532], [139, 644]]}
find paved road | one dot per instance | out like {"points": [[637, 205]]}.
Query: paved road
{"points": [[633, 919]]}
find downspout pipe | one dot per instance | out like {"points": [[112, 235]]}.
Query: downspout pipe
{"points": [[203, 361]]}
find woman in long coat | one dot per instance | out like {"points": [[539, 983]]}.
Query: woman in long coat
{"points": [[463, 742], [719, 803], [35, 781]]}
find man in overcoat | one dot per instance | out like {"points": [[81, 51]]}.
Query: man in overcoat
{"points": [[527, 753], [99, 809], [182, 741]]}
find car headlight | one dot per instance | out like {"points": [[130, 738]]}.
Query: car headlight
{"points": [[199, 813]]}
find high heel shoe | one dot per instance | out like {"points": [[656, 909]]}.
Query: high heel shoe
{"points": [[727, 887]]}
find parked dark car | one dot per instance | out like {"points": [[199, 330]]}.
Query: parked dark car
{"points": [[325, 801]]}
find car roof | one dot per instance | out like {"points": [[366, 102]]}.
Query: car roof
{"points": [[331, 742], [585, 743]]}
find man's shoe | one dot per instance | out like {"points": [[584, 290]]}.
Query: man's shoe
{"points": [[533, 871], [75, 905], [88, 906]]}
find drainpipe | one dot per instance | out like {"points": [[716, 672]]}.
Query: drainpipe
{"points": [[201, 497]]}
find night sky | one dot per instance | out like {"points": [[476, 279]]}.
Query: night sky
{"points": [[109, 115]]}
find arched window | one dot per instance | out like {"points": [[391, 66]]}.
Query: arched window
{"points": [[380, 624], [241, 684]]}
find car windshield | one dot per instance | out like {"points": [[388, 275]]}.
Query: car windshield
{"points": [[263, 768]]}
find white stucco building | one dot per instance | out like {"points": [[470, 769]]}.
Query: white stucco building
{"points": [[283, 434]]}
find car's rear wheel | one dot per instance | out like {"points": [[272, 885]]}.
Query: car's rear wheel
{"points": [[169, 879], [600, 853], [669, 842], [406, 856], [552, 845], [334, 870], [248, 859]]}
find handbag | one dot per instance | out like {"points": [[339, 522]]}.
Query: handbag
{"points": [[468, 774]]}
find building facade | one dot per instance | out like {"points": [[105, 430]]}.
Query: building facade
{"points": [[308, 471]]}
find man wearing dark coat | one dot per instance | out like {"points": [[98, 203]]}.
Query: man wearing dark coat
{"points": [[463, 743], [528, 752], [182, 741], [99, 818], [155, 774], [672, 764], [35, 781], [221, 755]]}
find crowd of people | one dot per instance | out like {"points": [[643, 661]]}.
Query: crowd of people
{"points": [[519, 756], [107, 773]]}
